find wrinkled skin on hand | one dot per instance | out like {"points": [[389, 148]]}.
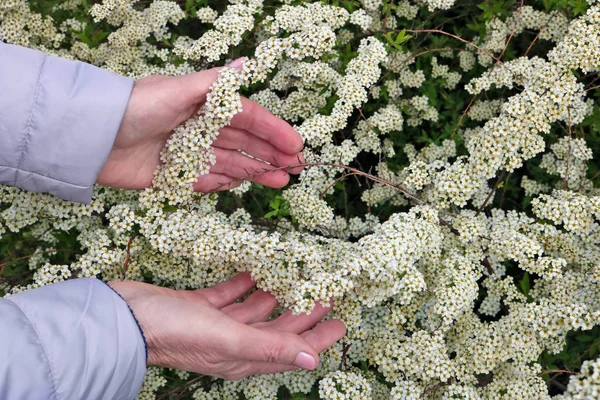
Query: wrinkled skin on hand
{"points": [[207, 332]]}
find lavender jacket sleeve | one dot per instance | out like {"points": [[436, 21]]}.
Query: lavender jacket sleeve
{"points": [[70, 340], [58, 121], [77, 339]]}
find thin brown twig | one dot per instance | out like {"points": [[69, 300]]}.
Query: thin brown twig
{"points": [[504, 190], [441, 32], [433, 389], [413, 56], [486, 263], [589, 84], [344, 176], [464, 114], [35, 254], [597, 174], [512, 34], [354, 171], [431, 51], [180, 387], [582, 355], [584, 162], [127, 257], [344, 355], [365, 119], [566, 180], [557, 371], [533, 41], [492, 191]]}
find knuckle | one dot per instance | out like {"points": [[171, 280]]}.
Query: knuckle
{"points": [[274, 353]]}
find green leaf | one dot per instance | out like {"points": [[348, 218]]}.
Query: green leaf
{"points": [[579, 6], [84, 38], [524, 284], [271, 214], [274, 203], [169, 208], [585, 338], [402, 37]]}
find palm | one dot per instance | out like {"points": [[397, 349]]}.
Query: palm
{"points": [[158, 104], [206, 332]]}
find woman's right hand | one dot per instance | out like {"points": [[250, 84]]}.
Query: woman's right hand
{"points": [[204, 331]]}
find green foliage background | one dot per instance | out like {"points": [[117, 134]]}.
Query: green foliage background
{"points": [[467, 20]]}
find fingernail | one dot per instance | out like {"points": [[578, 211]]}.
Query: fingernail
{"points": [[305, 361], [237, 63]]}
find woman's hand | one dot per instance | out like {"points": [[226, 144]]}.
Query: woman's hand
{"points": [[158, 104], [204, 331]]}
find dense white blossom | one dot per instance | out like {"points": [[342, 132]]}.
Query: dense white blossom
{"points": [[412, 288]]}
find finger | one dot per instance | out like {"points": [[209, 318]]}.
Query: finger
{"points": [[234, 139], [215, 182], [296, 323], [229, 291], [195, 86], [233, 163], [272, 346], [257, 307], [323, 336], [260, 122]]}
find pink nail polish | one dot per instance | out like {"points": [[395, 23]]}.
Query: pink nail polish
{"points": [[305, 361]]}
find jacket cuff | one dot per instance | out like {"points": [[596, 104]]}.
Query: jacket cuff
{"points": [[90, 339], [63, 120]]}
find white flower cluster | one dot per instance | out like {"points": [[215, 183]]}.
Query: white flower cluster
{"points": [[344, 386], [229, 28], [418, 109], [485, 109], [19, 25], [362, 19], [361, 73], [188, 152], [438, 4], [367, 133], [573, 210], [404, 9], [207, 15], [153, 381], [443, 71], [532, 187], [568, 159], [586, 385], [515, 135], [49, 273], [551, 26], [137, 25]]}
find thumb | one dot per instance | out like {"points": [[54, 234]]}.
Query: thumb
{"points": [[197, 84], [277, 347]]}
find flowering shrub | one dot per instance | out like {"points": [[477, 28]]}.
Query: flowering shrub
{"points": [[450, 204]]}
